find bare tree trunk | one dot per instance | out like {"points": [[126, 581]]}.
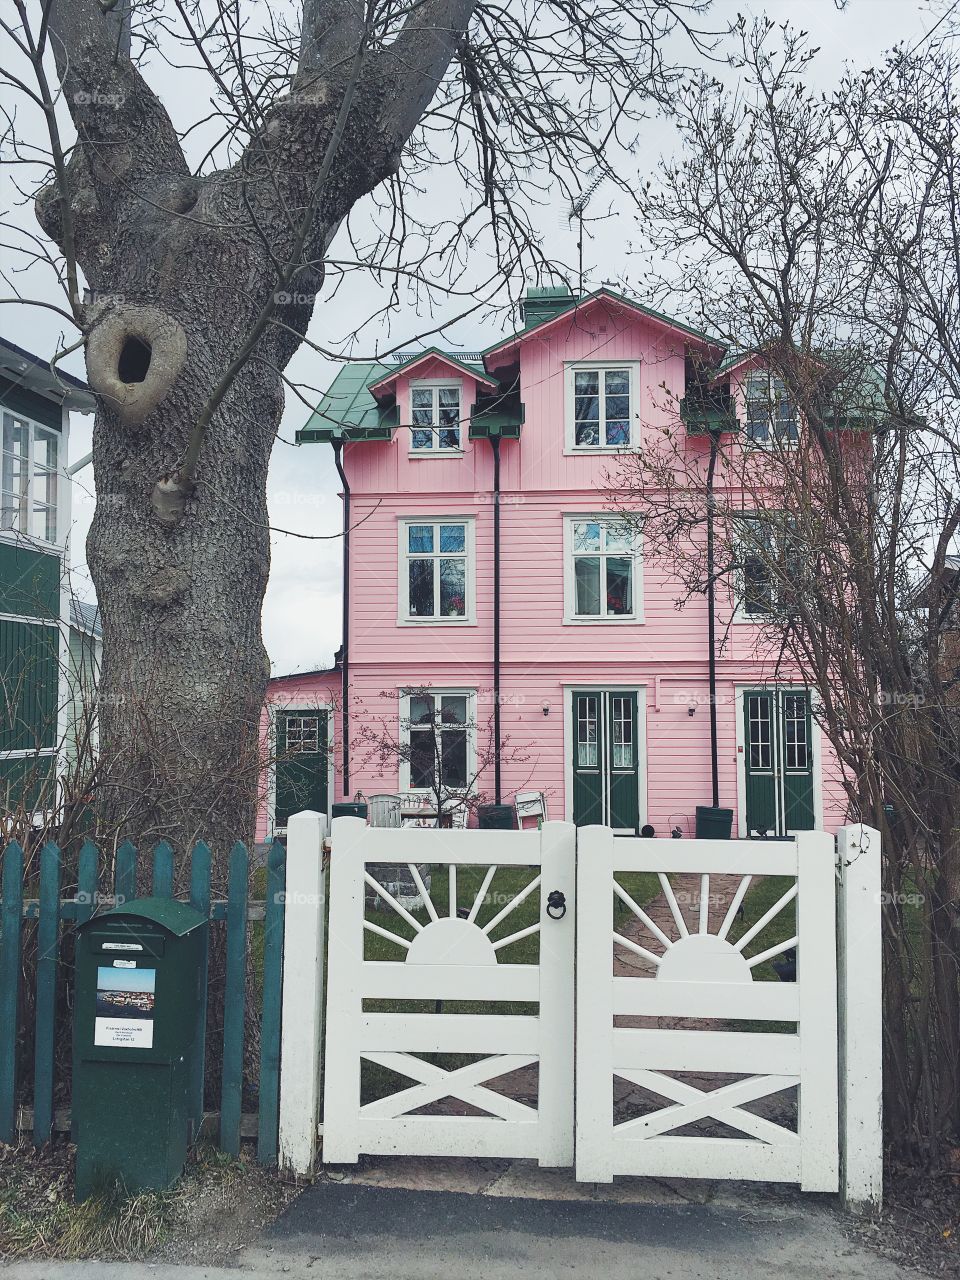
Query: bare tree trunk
{"points": [[185, 671]]}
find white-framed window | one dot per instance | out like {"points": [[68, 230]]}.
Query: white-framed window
{"points": [[601, 406], [438, 732], [437, 570], [603, 581], [29, 474], [302, 734], [767, 560], [435, 412], [770, 415]]}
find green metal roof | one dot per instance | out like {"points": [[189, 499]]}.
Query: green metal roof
{"points": [[347, 409], [177, 918]]}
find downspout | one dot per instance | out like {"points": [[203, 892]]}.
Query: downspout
{"points": [[711, 620], [495, 445], [345, 625]]}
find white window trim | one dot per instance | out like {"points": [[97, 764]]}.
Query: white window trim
{"points": [[403, 578], [773, 441], [471, 732], [305, 704], [816, 750], [739, 615], [575, 366], [570, 617], [431, 384], [60, 521]]}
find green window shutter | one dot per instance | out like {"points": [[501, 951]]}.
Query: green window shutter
{"points": [[28, 783], [29, 581], [302, 760], [29, 685]]}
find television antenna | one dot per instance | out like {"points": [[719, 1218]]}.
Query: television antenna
{"points": [[576, 212]]}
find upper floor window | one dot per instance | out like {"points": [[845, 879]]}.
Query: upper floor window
{"points": [[601, 406], [602, 567], [771, 415], [767, 563], [28, 478], [437, 573], [435, 413]]}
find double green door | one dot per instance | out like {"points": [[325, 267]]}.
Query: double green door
{"points": [[778, 770], [301, 764], [605, 759]]}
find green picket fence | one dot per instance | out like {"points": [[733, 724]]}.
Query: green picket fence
{"points": [[52, 912]]}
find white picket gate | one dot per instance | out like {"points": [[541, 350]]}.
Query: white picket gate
{"points": [[703, 975], [622, 1027], [449, 958]]}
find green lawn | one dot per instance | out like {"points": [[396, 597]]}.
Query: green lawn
{"points": [[761, 896]]}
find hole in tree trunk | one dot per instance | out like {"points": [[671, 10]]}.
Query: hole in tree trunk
{"points": [[134, 360]]}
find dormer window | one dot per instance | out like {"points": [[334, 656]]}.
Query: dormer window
{"points": [[435, 417], [601, 407], [771, 414]]}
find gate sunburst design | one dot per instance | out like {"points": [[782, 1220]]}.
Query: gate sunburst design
{"points": [[703, 955], [450, 938]]}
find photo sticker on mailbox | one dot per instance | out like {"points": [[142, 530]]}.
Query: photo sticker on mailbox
{"points": [[125, 1007]]}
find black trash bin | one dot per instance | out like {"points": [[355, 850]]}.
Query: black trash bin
{"points": [[713, 824], [497, 817]]}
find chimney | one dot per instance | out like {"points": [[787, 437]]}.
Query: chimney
{"points": [[542, 304]]}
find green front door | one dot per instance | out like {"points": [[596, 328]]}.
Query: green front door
{"points": [[605, 759], [302, 761], [778, 764]]}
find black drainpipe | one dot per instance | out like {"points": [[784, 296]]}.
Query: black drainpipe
{"points": [[711, 621], [345, 660], [495, 445]]}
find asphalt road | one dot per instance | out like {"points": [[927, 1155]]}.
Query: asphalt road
{"points": [[337, 1231]]}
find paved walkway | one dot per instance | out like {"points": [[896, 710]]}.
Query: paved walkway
{"points": [[350, 1232]]}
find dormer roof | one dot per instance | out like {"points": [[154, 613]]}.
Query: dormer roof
{"points": [[383, 384]]}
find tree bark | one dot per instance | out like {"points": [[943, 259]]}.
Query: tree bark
{"points": [[204, 287]]}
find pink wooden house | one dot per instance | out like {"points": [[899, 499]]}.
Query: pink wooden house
{"points": [[543, 655]]}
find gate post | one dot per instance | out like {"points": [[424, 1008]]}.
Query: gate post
{"points": [[860, 1017], [594, 986], [301, 1031], [558, 862]]}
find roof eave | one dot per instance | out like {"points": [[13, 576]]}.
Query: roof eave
{"points": [[432, 353], [667, 322]]}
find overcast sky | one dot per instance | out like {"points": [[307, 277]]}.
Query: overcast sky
{"points": [[302, 606]]}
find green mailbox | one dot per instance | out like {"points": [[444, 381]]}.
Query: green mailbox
{"points": [[139, 970]]}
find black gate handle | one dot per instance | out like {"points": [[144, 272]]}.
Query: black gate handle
{"points": [[556, 904]]}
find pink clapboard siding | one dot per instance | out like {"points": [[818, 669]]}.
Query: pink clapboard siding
{"points": [[542, 481]]}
